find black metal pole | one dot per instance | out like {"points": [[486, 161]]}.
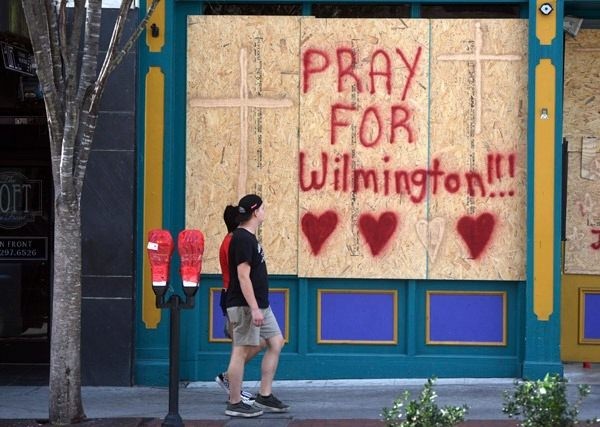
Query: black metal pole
{"points": [[173, 419]]}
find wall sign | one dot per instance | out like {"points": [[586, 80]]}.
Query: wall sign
{"points": [[20, 199], [23, 248], [17, 59]]}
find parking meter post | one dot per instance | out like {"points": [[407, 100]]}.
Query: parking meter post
{"points": [[160, 249], [173, 419], [188, 302]]}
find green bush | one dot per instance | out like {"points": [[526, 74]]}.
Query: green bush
{"points": [[423, 412], [543, 403]]}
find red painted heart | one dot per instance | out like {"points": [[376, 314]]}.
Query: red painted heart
{"points": [[317, 229], [476, 232], [377, 232]]}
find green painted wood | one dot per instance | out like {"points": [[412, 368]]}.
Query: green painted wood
{"points": [[156, 340], [532, 347], [542, 344], [304, 358]]}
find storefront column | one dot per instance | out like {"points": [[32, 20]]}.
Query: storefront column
{"points": [[544, 210]]}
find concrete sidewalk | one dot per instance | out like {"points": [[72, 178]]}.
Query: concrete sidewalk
{"points": [[313, 403]]}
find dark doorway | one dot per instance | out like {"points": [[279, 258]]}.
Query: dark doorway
{"points": [[26, 212]]}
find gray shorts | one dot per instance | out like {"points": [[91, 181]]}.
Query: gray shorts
{"points": [[227, 328], [245, 332]]}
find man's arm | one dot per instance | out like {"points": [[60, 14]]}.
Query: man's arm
{"points": [[243, 271]]}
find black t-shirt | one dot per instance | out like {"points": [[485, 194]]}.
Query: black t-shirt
{"points": [[244, 247]]}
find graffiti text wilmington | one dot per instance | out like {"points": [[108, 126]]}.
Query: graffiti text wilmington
{"points": [[336, 174], [390, 124]]}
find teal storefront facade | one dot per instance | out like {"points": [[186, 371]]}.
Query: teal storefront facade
{"points": [[338, 328]]}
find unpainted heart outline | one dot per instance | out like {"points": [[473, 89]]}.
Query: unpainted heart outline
{"points": [[431, 234]]}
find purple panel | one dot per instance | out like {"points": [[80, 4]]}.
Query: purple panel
{"points": [[218, 320], [466, 318], [278, 303], [591, 323], [357, 316], [276, 298]]}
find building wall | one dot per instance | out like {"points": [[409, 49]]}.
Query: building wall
{"points": [[529, 348], [108, 221]]}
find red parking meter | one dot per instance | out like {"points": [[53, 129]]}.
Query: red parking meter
{"points": [[160, 249], [190, 244]]}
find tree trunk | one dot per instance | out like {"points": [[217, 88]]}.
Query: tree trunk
{"points": [[67, 71], [65, 351]]}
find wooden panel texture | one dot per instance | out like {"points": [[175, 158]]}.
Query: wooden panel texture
{"points": [[383, 148], [582, 131]]}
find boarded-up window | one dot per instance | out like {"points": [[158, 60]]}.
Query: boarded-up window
{"points": [[383, 148]]}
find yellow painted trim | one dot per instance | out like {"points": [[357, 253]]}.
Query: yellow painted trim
{"points": [[428, 339], [153, 181], [543, 192], [394, 293], [213, 292], [571, 350], [155, 44], [545, 29], [582, 310]]}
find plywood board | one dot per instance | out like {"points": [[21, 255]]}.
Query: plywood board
{"points": [[581, 95], [582, 230], [582, 131], [363, 116], [478, 139], [243, 92], [368, 172]]}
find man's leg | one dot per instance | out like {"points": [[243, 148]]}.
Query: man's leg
{"points": [[235, 406], [239, 353], [254, 350], [235, 372], [265, 398], [223, 378], [269, 364]]}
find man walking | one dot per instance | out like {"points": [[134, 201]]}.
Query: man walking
{"points": [[250, 314]]}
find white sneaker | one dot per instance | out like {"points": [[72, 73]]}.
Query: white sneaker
{"points": [[247, 398], [223, 382]]}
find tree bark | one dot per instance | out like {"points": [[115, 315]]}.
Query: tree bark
{"points": [[72, 87], [65, 374]]}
